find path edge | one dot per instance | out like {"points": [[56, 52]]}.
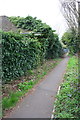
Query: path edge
{"points": [[52, 115]]}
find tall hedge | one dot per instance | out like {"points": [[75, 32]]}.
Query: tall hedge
{"points": [[19, 54], [49, 40]]}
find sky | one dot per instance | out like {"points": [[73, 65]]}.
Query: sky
{"points": [[48, 11]]}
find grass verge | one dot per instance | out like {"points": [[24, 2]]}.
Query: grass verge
{"points": [[32, 78], [67, 103]]}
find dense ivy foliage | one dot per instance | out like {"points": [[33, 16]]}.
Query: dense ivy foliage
{"points": [[49, 40], [19, 55], [22, 52], [51, 44], [29, 23]]}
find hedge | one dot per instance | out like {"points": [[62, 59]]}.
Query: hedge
{"points": [[19, 54]]}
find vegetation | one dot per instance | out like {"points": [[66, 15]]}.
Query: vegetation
{"points": [[29, 23], [19, 55], [69, 38], [67, 103], [27, 56], [24, 55], [48, 39], [23, 87], [21, 52]]}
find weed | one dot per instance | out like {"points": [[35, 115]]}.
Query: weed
{"points": [[33, 77], [10, 101], [68, 98]]}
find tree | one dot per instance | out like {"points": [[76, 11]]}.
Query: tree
{"points": [[70, 40], [72, 16], [70, 13]]}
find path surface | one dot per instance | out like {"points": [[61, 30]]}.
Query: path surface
{"points": [[39, 104]]}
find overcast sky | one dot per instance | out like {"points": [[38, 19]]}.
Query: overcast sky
{"points": [[46, 10]]}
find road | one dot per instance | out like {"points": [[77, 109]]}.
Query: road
{"points": [[39, 103]]}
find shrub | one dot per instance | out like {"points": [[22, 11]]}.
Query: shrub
{"points": [[22, 52], [19, 54], [51, 45]]}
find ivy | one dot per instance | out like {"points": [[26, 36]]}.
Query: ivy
{"points": [[18, 56], [23, 52]]}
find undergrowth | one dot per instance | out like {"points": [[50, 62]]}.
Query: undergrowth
{"points": [[67, 103], [33, 77]]}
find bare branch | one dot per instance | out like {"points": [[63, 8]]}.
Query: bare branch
{"points": [[70, 13]]}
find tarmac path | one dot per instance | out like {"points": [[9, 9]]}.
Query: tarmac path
{"points": [[39, 103]]}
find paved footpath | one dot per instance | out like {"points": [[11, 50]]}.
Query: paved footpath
{"points": [[39, 104]]}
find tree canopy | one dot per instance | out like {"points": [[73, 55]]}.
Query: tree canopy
{"points": [[69, 38]]}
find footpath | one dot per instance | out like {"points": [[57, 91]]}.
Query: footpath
{"points": [[39, 103]]}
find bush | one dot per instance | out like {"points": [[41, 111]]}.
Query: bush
{"points": [[19, 54], [51, 45], [22, 52]]}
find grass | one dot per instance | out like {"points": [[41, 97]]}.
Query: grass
{"points": [[11, 100], [67, 103], [32, 78]]}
